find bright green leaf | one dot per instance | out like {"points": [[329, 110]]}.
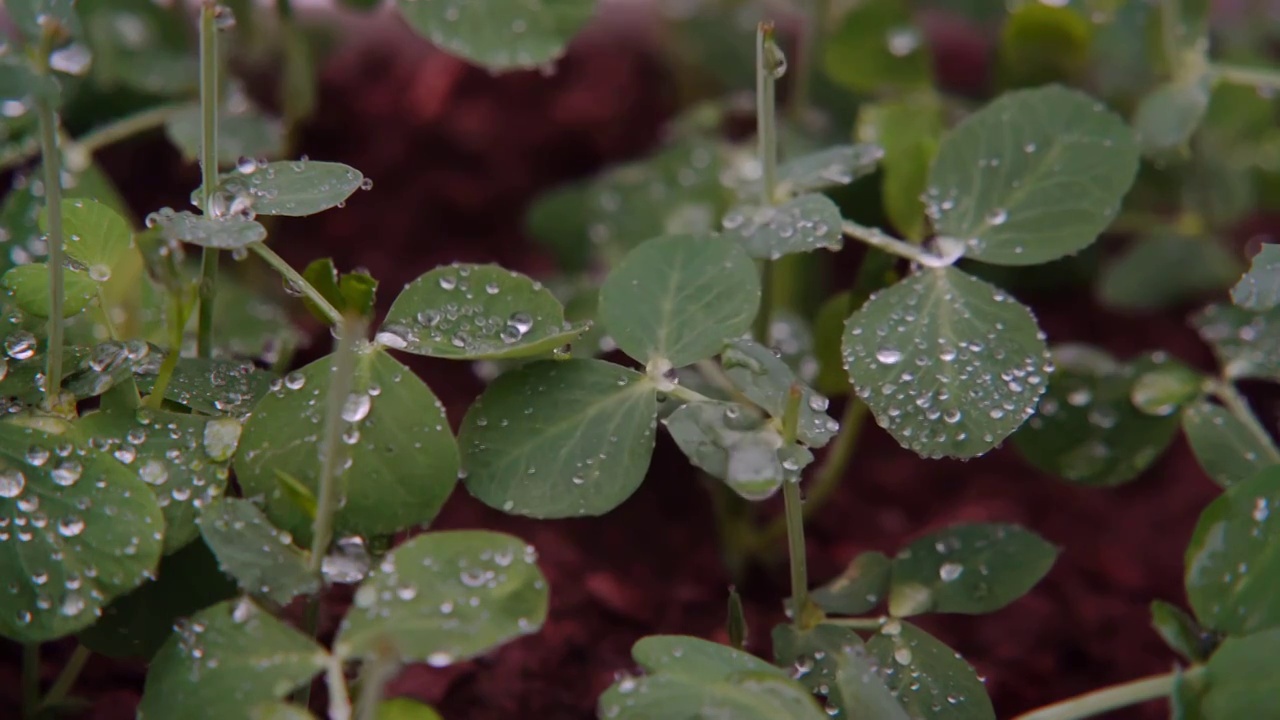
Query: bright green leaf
{"points": [[1246, 343], [1041, 43], [877, 49], [559, 438], [29, 285], [476, 312], [294, 188], [403, 708], [680, 298], [735, 444], [859, 588], [1160, 271], [909, 129], [499, 34], [807, 223], [1181, 632], [260, 556], [1227, 449], [1242, 679], [224, 233], [1259, 289], [767, 381], [1032, 177], [359, 292], [93, 234], [240, 134], [445, 597], [929, 679], [927, 357]]}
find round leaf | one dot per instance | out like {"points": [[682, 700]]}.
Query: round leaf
{"points": [[445, 597], [240, 134], [76, 530], [224, 660], [559, 438], [258, 555], [680, 298], [947, 363], [968, 569], [1233, 560], [1032, 177], [403, 461], [748, 696], [224, 233], [499, 34], [1242, 679], [876, 48], [93, 234], [929, 679], [1259, 289], [294, 188], [695, 658], [807, 223], [1227, 449], [859, 588], [211, 387], [1165, 270], [29, 285], [476, 312]]}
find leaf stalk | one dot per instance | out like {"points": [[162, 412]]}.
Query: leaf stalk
{"points": [[48, 119], [208, 169], [1112, 698]]}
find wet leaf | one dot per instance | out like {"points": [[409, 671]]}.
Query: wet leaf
{"points": [[859, 588], [401, 458], [559, 438], [76, 531], [93, 234], [680, 298], [1229, 451], [732, 443], [1241, 679], [225, 659], [260, 556], [744, 696], [807, 223], [295, 188], [695, 659], [499, 34], [240, 134], [476, 311], [1087, 429], [1259, 289], [877, 49], [767, 381], [1233, 560], [212, 387], [29, 286], [1181, 632], [929, 679], [224, 233], [948, 364], [828, 168], [444, 597], [968, 569], [1169, 115], [1032, 177], [1246, 343], [831, 660], [403, 708]]}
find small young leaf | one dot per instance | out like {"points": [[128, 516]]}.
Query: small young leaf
{"points": [[29, 285], [499, 34], [767, 381], [928, 678], [859, 691], [76, 531], [225, 659], [1181, 632], [476, 312], [737, 620], [1169, 115], [211, 387], [403, 708], [680, 298], [859, 588], [581, 451], [829, 168], [224, 233], [403, 461], [323, 276], [734, 444], [1166, 388], [240, 134], [359, 292], [260, 556], [1246, 343], [93, 234], [294, 188], [1227, 449], [877, 49], [926, 356], [1034, 176], [807, 223], [1161, 271], [696, 659], [1241, 681], [444, 597], [968, 569], [1233, 571], [1259, 289]]}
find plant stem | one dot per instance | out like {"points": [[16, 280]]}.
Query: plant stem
{"points": [[208, 168], [874, 623], [794, 511], [1171, 33], [67, 678], [768, 61], [373, 678], [297, 281], [30, 680], [48, 117], [809, 50], [339, 696], [327, 497], [1233, 401], [877, 238], [1259, 77], [100, 137], [1107, 699]]}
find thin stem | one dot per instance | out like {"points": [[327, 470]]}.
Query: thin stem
{"points": [[1171, 33], [1233, 401], [339, 696], [794, 511], [809, 50], [764, 316], [768, 63], [298, 282], [208, 168], [177, 321], [1107, 699], [877, 238], [67, 678], [344, 366], [53, 206], [30, 680], [873, 623], [373, 679], [1259, 77]]}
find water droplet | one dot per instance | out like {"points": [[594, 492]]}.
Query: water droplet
{"points": [[949, 571], [74, 59], [997, 216], [12, 483], [356, 408], [20, 345], [888, 356]]}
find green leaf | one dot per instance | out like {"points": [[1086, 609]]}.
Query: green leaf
{"points": [[968, 569], [859, 691], [401, 458], [476, 312], [183, 459], [696, 659], [732, 443], [828, 331], [359, 292], [30, 15], [859, 588], [767, 381], [807, 223], [1032, 177], [876, 49], [909, 129], [300, 84], [135, 625], [76, 531], [225, 659], [294, 188], [557, 220], [148, 51], [93, 234], [1086, 428], [240, 134], [1169, 115], [928, 678], [1160, 271], [928, 358], [1181, 632], [680, 298], [260, 556], [1041, 43], [322, 275], [211, 387], [444, 597], [1247, 344], [499, 34], [828, 168], [1242, 679], [224, 233], [1166, 388], [29, 285], [1227, 449], [831, 660], [736, 623], [1259, 289], [580, 450], [1233, 560], [403, 708], [279, 711], [746, 696], [250, 321]]}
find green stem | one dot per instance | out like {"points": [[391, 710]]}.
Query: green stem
{"points": [[30, 680], [1171, 33], [328, 496], [874, 623], [67, 678], [98, 138], [374, 676], [878, 238], [339, 696], [177, 321], [794, 512], [1259, 77], [768, 62], [764, 316], [1107, 699], [53, 205], [1233, 401], [208, 168], [298, 282]]}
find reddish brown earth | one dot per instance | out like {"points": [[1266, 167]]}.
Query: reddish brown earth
{"points": [[455, 155]]}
